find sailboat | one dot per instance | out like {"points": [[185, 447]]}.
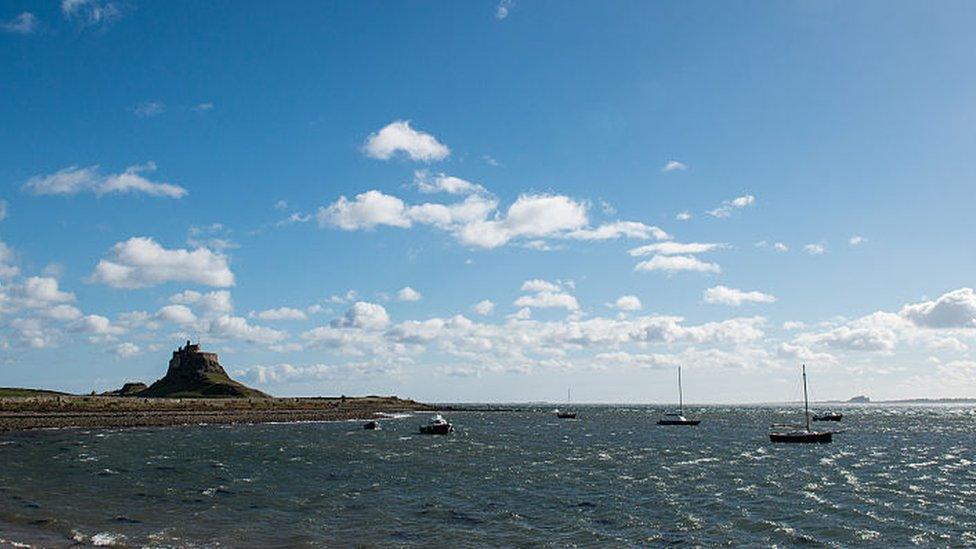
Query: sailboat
{"points": [[678, 418], [566, 414], [792, 434]]}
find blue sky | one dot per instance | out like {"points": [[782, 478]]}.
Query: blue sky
{"points": [[622, 187]]}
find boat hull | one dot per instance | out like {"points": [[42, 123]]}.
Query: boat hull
{"points": [[801, 438], [837, 417], [688, 422], [372, 426], [445, 429], [566, 415]]}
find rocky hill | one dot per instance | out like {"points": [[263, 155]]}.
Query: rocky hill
{"points": [[193, 373]]}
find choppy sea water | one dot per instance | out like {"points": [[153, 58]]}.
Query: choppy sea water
{"points": [[897, 476]]}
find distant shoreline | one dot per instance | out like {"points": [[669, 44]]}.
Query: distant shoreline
{"points": [[48, 412]]}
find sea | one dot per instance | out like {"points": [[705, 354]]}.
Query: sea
{"points": [[895, 476]]}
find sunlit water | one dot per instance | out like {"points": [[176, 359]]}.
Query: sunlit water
{"points": [[897, 476]]}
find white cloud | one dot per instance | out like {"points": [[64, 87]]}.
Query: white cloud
{"points": [[484, 307], [955, 309], [235, 327], [140, 262], [39, 291], [95, 324], [548, 300], [539, 285], [178, 314], [628, 303], [398, 136], [25, 23], [724, 295], [90, 12], [149, 109], [857, 240], [725, 210], [683, 216], [476, 222], [365, 315], [218, 302], [281, 313], [532, 216], [501, 10], [674, 248], [674, 165], [408, 294], [876, 332], [617, 229], [815, 249], [676, 263], [126, 350], [203, 107], [780, 247], [62, 312], [366, 211], [74, 180], [440, 183]]}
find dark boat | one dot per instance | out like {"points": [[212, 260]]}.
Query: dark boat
{"points": [[678, 418], [437, 426], [372, 426], [829, 416], [800, 435], [566, 414]]}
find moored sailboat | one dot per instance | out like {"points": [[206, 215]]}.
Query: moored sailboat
{"points": [[678, 418], [566, 414], [794, 434]]}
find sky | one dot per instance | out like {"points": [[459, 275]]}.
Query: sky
{"points": [[492, 202]]}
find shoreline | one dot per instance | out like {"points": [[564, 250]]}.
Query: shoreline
{"points": [[32, 413]]}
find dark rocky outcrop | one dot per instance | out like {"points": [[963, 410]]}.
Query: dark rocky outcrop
{"points": [[128, 389], [859, 399], [193, 373]]}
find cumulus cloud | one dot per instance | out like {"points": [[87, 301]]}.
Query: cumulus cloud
{"points": [[484, 307], [539, 285], [140, 262], [90, 12], [674, 165], [857, 240], [95, 324], [408, 294], [25, 23], [475, 221], [363, 314], [502, 9], [440, 183], [217, 302], [955, 309], [548, 300], [628, 303], [676, 263], [683, 216], [235, 327], [74, 180], [674, 248], [725, 210], [178, 314], [724, 295], [399, 137], [281, 313], [126, 350], [815, 249]]}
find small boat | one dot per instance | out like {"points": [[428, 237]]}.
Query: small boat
{"points": [[437, 426], [678, 418], [829, 416], [566, 414], [798, 434], [372, 426]]}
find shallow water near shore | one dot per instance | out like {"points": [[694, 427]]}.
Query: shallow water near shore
{"points": [[898, 475]]}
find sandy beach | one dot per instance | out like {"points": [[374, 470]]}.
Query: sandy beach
{"points": [[22, 413]]}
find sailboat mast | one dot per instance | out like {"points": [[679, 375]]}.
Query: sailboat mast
{"points": [[806, 402], [681, 398], [569, 396]]}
